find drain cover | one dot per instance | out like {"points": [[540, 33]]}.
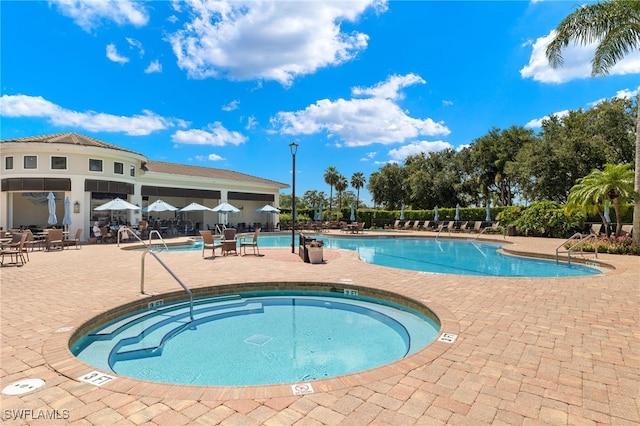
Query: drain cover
{"points": [[23, 386], [258, 339]]}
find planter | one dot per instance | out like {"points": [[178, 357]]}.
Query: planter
{"points": [[315, 254]]}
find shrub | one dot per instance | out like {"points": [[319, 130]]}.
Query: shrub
{"points": [[613, 245], [548, 219]]}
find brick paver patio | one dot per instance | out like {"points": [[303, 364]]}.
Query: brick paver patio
{"points": [[529, 351]]}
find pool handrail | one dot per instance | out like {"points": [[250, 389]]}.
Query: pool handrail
{"points": [[580, 244]]}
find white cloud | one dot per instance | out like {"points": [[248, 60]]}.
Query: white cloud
{"points": [[215, 135], [447, 103], [36, 106], [251, 122], [231, 106], [370, 156], [90, 14], [135, 44], [153, 67], [114, 56], [415, 148], [269, 40], [577, 63], [361, 122], [537, 122], [215, 157]]}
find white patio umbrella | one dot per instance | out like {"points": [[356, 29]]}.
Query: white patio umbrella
{"points": [[225, 208], [269, 210], [436, 218], [193, 207], [159, 206], [402, 213], [488, 218], [52, 220], [607, 210], [353, 215], [457, 217], [117, 204], [66, 221]]}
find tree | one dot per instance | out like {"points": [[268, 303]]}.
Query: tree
{"points": [[386, 186], [614, 26], [357, 182], [341, 184], [331, 177], [614, 183]]}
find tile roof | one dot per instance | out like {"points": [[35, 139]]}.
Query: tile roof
{"points": [[206, 172], [70, 138]]}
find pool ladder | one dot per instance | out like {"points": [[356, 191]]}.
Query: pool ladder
{"points": [[149, 250], [579, 244]]}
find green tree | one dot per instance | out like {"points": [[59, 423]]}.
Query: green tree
{"points": [[313, 199], [614, 183], [614, 25], [331, 176], [386, 186], [341, 185], [357, 182]]}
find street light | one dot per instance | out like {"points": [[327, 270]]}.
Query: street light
{"points": [[294, 149]]}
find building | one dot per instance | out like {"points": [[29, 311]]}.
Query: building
{"points": [[90, 172]]}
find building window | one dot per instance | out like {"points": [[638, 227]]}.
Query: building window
{"points": [[118, 168], [30, 161], [132, 171], [8, 163], [58, 163], [95, 165]]}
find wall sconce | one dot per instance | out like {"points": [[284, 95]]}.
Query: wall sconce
{"points": [[76, 207]]}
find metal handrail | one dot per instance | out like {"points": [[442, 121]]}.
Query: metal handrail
{"points": [[580, 244], [164, 265]]}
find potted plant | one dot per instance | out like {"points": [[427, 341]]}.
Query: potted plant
{"points": [[314, 248]]}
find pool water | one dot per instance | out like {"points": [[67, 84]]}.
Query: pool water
{"points": [[257, 339], [440, 256]]}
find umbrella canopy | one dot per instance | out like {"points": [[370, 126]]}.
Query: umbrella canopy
{"points": [[607, 214], [457, 217], [117, 204], [268, 209], [225, 208], [52, 220], [488, 218], [67, 212], [195, 207], [402, 213], [436, 218], [353, 215], [159, 206]]}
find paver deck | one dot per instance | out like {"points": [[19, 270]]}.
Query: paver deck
{"points": [[529, 351]]}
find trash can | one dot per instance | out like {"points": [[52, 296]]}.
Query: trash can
{"points": [[511, 230]]}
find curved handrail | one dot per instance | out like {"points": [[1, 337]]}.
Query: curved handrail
{"points": [[579, 244]]}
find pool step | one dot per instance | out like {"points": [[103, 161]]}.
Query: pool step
{"points": [[151, 340]]}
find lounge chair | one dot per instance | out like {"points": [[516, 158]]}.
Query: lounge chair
{"points": [[55, 239], [596, 229], [463, 227], [451, 226], [407, 225], [253, 243], [229, 242], [209, 243], [75, 241], [15, 249], [360, 227], [427, 225], [494, 228], [416, 225], [477, 226], [396, 224], [627, 230]]}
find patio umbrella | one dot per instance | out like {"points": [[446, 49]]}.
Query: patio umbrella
{"points": [[225, 208], [159, 206], [117, 204], [402, 212], [67, 212], [457, 217], [52, 220], [195, 207], [488, 218], [268, 209], [607, 216], [436, 218], [353, 215]]}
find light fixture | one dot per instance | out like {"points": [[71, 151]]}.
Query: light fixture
{"points": [[294, 149], [76, 207]]}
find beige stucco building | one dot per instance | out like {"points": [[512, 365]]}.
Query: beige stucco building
{"points": [[90, 172]]}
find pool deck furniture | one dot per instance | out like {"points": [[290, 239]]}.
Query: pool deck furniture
{"points": [[229, 242], [14, 249], [55, 239], [253, 244], [75, 241], [527, 351], [209, 243]]}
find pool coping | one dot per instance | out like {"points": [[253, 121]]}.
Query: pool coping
{"points": [[58, 356]]}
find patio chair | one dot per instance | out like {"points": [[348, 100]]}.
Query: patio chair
{"points": [[229, 242], [494, 228], [477, 226], [253, 243], [15, 249], [209, 243], [627, 230], [596, 229], [463, 227], [75, 241], [55, 239], [416, 225], [451, 226], [360, 227]]}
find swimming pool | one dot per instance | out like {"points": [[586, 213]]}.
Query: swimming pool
{"points": [[440, 256], [257, 338]]}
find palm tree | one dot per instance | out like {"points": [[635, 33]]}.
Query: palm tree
{"points": [[330, 178], [357, 182], [614, 25], [614, 183], [341, 184]]}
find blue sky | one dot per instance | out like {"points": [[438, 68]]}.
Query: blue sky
{"points": [[230, 84]]}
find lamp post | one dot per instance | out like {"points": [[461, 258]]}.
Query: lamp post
{"points": [[294, 149]]}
